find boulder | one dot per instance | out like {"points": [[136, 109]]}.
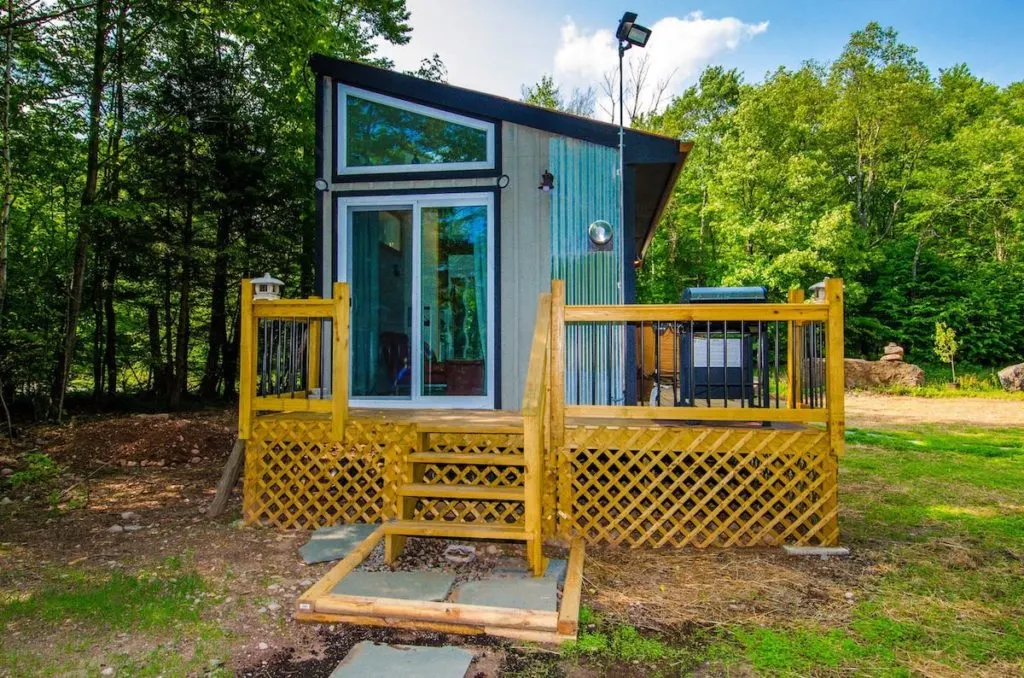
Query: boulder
{"points": [[870, 373], [1012, 377], [892, 357]]}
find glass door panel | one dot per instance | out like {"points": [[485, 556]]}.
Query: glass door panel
{"points": [[381, 258], [454, 300]]}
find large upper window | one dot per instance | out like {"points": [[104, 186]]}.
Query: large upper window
{"points": [[380, 134]]}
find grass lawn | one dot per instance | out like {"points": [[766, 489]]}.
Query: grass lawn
{"points": [[934, 516], [939, 513], [149, 624]]}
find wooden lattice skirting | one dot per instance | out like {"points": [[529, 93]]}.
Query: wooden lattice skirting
{"points": [[696, 486], [636, 486]]}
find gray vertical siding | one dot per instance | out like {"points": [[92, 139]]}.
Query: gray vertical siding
{"points": [[525, 251], [586, 177]]}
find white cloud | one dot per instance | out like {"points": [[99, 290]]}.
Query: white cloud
{"points": [[498, 47], [678, 49]]}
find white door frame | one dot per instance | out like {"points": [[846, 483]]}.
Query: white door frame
{"points": [[345, 206]]}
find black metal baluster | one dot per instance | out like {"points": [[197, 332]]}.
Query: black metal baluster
{"points": [[656, 387], [691, 367], [641, 396], [707, 366], [777, 335], [743, 364]]}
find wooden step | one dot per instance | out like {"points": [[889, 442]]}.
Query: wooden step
{"points": [[468, 459], [467, 492], [438, 528], [475, 426]]}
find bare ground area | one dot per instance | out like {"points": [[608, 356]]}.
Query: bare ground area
{"points": [[133, 496], [874, 410]]}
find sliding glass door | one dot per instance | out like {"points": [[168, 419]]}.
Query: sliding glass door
{"points": [[422, 275]]}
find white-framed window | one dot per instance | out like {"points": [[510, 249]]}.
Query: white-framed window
{"points": [[378, 134]]}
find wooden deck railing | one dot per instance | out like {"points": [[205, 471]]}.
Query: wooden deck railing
{"points": [[536, 411], [590, 345], [282, 357]]}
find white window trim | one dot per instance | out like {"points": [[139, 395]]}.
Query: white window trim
{"points": [[344, 206], [342, 168]]}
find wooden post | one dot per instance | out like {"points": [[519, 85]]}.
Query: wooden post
{"points": [[339, 362], [794, 356], [246, 362], [313, 347], [834, 366], [836, 403], [532, 442], [557, 375]]}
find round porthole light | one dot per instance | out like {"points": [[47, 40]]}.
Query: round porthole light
{"points": [[600, 232], [320, 184]]}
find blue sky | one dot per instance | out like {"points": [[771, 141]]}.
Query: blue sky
{"points": [[498, 46]]}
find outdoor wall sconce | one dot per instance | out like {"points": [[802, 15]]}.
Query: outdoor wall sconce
{"points": [[818, 292], [600, 232], [547, 182], [320, 184], [267, 287]]}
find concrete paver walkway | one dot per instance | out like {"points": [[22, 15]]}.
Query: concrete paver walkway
{"points": [[373, 660]]}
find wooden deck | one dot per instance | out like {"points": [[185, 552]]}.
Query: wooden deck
{"points": [[508, 421], [634, 476]]}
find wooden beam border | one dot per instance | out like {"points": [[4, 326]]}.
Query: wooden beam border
{"points": [[318, 604]]}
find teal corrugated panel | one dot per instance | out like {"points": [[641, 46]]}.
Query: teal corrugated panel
{"points": [[587, 189]]}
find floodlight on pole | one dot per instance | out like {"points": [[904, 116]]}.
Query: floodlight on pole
{"points": [[629, 34]]}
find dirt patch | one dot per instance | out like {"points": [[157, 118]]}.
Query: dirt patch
{"points": [[876, 410], [671, 590], [331, 644]]}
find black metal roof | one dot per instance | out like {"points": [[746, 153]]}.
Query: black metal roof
{"points": [[656, 159]]}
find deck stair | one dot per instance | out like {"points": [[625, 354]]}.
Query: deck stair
{"points": [[463, 471]]}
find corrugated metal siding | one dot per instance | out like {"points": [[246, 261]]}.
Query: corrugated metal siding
{"points": [[525, 252], [587, 189]]}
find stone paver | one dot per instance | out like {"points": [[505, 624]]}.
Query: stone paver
{"points": [[334, 543], [405, 585], [372, 660], [515, 588]]}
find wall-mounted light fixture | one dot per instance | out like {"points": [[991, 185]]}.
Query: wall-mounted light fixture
{"points": [[818, 291], [547, 182], [321, 184], [600, 232]]}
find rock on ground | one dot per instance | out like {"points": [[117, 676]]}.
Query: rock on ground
{"points": [[868, 373], [1012, 377]]}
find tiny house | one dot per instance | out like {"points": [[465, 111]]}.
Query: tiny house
{"points": [[476, 365], [449, 211]]}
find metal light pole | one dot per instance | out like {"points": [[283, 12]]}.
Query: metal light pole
{"points": [[623, 46], [629, 33]]}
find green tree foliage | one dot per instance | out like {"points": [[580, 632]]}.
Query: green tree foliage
{"points": [[946, 346], [203, 161], [871, 168], [548, 94]]}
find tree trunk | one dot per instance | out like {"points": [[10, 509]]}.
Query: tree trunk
{"points": [[168, 352], [218, 308], [156, 361], [5, 125], [66, 352], [97, 334], [184, 309], [231, 353], [110, 357]]}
